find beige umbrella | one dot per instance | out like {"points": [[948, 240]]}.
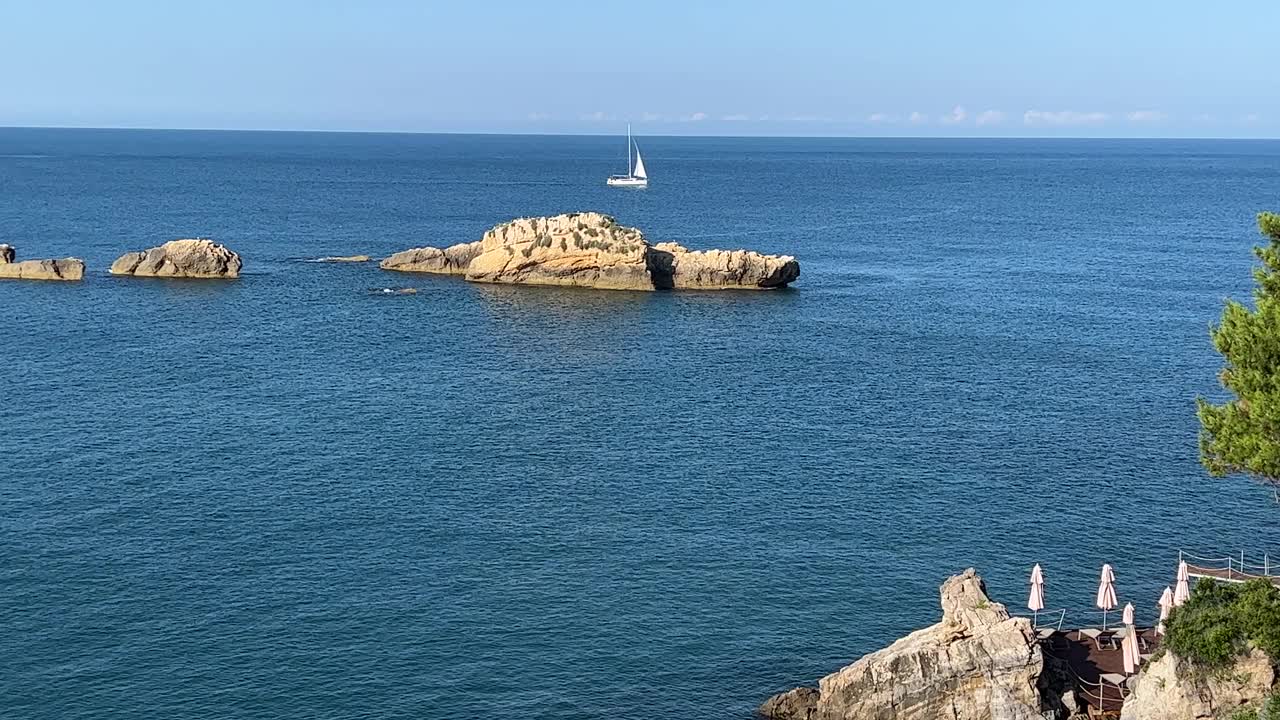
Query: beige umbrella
{"points": [[1129, 646], [1182, 591], [1106, 592], [1166, 605], [1035, 601]]}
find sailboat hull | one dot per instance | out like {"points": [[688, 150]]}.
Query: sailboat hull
{"points": [[631, 182]]}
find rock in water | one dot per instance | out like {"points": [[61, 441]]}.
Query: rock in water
{"points": [[342, 259], [577, 250], [977, 664], [64, 269], [592, 250], [180, 259], [1171, 689], [452, 260], [719, 269]]}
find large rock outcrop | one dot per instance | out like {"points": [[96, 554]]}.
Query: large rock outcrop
{"points": [[180, 259], [62, 269], [1169, 688], [592, 250], [977, 664]]}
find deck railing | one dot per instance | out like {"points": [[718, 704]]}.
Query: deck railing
{"points": [[1232, 568], [1044, 618]]}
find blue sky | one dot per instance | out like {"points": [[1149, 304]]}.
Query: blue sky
{"points": [[804, 67]]}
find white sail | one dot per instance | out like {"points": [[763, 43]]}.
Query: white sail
{"points": [[639, 171]]}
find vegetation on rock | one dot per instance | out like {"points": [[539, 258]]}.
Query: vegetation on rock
{"points": [[1221, 620]]}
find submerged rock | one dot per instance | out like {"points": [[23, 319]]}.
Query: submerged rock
{"points": [[63, 269], [197, 258], [977, 664], [342, 259], [1169, 688], [592, 250]]}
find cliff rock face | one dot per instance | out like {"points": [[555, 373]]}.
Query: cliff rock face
{"points": [[452, 260], [64, 269], [180, 259], [1169, 689], [592, 250], [977, 664]]}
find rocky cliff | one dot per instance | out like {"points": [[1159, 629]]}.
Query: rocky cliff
{"points": [[63, 269], [978, 663], [180, 259], [593, 250], [1169, 688]]}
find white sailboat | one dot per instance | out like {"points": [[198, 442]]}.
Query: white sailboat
{"points": [[636, 177]]}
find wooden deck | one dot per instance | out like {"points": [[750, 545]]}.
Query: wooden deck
{"points": [[1097, 665]]}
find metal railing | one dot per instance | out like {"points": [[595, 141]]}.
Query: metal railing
{"points": [[1044, 618], [1231, 568]]}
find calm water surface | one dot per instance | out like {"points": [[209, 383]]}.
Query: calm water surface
{"points": [[283, 497]]}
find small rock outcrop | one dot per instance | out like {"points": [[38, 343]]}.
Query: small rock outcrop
{"points": [[63, 269], [977, 664], [1169, 688], [180, 259], [717, 269], [592, 250], [452, 260]]}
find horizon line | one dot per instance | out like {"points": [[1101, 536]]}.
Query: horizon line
{"points": [[129, 128]]}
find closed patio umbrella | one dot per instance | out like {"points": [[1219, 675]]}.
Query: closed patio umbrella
{"points": [[1129, 646], [1106, 592], [1035, 601], [1166, 604], [1182, 591]]}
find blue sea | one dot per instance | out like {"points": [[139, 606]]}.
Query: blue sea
{"points": [[287, 497]]}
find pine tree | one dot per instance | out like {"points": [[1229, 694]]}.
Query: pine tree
{"points": [[1243, 434]]}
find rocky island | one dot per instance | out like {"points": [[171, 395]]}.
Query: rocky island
{"points": [[592, 250], [62, 269], [197, 258]]}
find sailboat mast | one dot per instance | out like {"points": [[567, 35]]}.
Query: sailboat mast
{"points": [[628, 149]]}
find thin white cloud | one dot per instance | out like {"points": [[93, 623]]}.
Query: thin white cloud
{"points": [[918, 118], [738, 117], [809, 118], [1063, 117], [1146, 116], [597, 116], [650, 117], [990, 117], [882, 118], [1252, 118], [539, 116], [695, 117], [956, 116], [1204, 118]]}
